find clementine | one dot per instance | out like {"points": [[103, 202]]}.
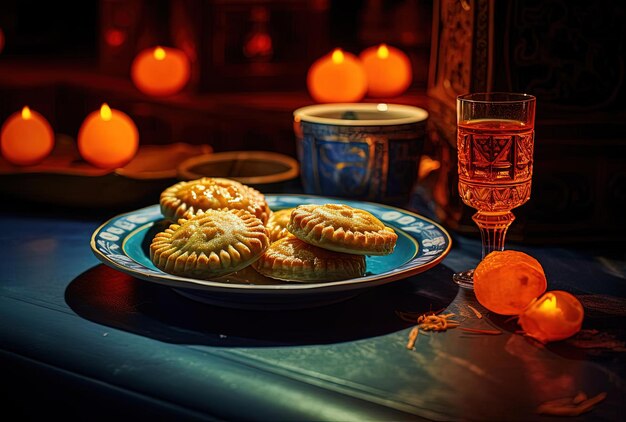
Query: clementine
{"points": [[505, 282]]}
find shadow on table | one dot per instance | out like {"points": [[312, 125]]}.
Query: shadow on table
{"points": [[114, 299]]}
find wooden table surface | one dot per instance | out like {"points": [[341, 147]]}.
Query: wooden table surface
{"points": [[81, 340]]}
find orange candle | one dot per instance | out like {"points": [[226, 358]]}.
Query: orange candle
{"points": [[108, 138], [337, 77], [160, 71], [27, 138], [554, 316], [388, 71]]}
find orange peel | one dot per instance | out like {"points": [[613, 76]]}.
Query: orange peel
{"points": [[554, 316]]}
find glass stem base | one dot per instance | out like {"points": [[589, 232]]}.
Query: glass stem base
{"points": [[464, 279], [493, 227]]}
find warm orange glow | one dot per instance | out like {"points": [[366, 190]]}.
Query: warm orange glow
{"points": [[160, 71], [26, 138], [388, 69], [105, 112], [555, 316], [337, 77], [108, 138], [549, 304], [338, 56], [159, 53], [382, 52], [114, 37], [505, 282], [258, 45], [408, 38], [427, 166]]}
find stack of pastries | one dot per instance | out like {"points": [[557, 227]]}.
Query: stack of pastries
{"points": [[221, 226]]}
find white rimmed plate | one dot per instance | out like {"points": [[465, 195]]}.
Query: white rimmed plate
{"points": [[123, 244]]}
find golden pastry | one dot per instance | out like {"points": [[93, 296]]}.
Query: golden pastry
{"points": [[277, 224], [342, 228], [210, 244], [184, 199], [291, 259]]}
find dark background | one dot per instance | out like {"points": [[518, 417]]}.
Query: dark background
{"points": [[56, 58]]}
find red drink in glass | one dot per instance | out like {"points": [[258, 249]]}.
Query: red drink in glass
{"points": [[495, 141], [495, 163]]}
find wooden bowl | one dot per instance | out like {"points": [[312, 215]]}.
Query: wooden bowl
{"points": [[264, 170]]}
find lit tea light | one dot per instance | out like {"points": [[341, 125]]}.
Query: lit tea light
{"points": [[160, 71], [108, 138], [554, 316], [388, 71], [26, 138], [337, 77]]}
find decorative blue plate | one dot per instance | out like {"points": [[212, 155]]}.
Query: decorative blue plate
{"points": [[123, 243]]}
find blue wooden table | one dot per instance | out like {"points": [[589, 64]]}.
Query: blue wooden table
{"points": [[81, 340]]}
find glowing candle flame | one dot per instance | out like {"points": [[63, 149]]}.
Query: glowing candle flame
{"points": [[382, 52], [555, 316], [337, 56], [160, 70], [26, 138], [159, 53], [337, 77], [108, 138], [388, 69], [105, 112], [549, 304]]}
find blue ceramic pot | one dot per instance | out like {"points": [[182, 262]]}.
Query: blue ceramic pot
{"points": [[361, 150]]}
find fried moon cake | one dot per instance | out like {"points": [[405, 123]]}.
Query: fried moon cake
{"points": [[277, 224], [210, 244], [342, 228], [291, 259], [184, 199]]}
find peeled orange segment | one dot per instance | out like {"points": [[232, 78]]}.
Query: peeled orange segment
{"points": [[554, 316], [506, 282]]}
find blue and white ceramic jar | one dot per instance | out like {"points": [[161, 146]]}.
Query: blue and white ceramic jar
{"points": [[360, 150]]}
